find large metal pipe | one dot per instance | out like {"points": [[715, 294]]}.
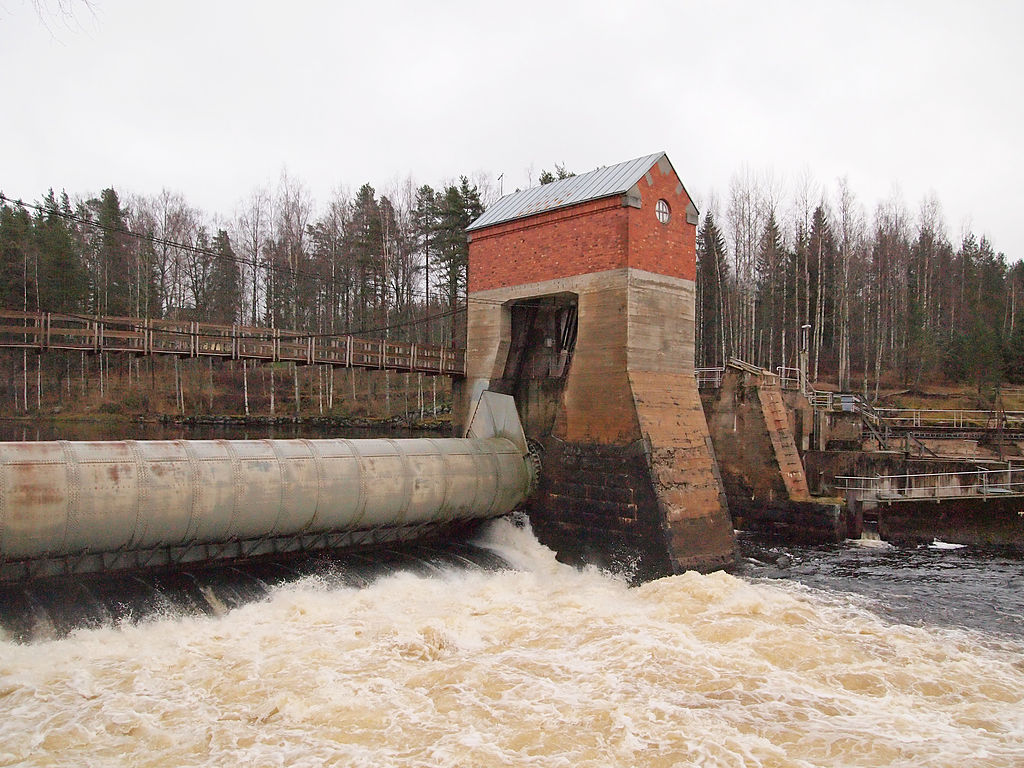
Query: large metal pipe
{"points": [[65, 500]]}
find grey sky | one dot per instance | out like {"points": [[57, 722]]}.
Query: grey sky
{"points": [[213, 98]]}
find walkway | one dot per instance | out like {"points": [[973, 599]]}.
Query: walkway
{"points": [[47, 331], [889, 489], [885, 424]]}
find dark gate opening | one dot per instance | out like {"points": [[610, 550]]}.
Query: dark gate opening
{"points": [[543, 337]]}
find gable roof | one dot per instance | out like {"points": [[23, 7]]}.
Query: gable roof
{"points": [[603, 182]]}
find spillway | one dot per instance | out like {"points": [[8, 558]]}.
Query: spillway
{"points": [[78, 507]]}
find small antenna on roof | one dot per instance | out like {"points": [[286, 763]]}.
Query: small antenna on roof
{"points": [[500, 177]]}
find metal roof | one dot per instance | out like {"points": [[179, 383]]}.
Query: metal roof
{"points": [[603, 182]]}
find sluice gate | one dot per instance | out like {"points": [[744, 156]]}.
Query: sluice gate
{"points": [[79, 507]]}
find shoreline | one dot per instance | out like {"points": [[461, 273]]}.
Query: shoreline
{"points": [[438, 422]]}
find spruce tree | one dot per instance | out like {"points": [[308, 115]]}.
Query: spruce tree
{"points": [[63, 279], [113, 280], [712, 282], [17, 286], [225, 293]]}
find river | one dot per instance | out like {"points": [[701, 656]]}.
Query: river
{"points": [[539, 664]]}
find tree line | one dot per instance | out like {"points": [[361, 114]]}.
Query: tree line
{"points": [[374, 264], [885, 297]]}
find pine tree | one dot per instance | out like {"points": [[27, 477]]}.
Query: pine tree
{"points": [[459, 207], [560, 172], [425, 224], [330, 256]]}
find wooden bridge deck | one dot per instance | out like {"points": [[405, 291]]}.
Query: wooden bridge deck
{"points": [[46, 331]]}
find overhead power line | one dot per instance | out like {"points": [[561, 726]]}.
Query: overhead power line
{"points": [[168, 243]]}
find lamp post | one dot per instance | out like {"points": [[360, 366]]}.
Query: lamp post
{"points": [[803, 357]]}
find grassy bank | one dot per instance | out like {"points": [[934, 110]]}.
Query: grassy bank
{"points": [[79, 386]]}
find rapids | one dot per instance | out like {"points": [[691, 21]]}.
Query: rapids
{"points": [[536, 665]]}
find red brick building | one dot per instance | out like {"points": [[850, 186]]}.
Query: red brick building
{"points": [[599, 221], [581, 304]]}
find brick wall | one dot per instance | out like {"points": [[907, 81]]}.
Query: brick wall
{"points": [[665, 249], [586, 238], [591, 237]]}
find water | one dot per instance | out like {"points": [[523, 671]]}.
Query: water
{"points": [[941, 584], [537, 665], [50, 609]]}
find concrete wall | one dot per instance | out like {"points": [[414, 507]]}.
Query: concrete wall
{"points": [[980, 522], [629, 399], [764, 479], [750, 467]]}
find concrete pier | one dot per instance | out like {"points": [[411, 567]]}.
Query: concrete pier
{"points": [[763, 473], [581, 305]]}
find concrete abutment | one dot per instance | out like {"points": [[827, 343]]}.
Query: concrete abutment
{"points": [[604, 384], [763, 473]]}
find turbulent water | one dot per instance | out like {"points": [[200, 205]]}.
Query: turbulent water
{"points": [[537, 665]]}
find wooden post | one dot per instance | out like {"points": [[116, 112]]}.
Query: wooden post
{"points": [[272, 387], [245, 385]]}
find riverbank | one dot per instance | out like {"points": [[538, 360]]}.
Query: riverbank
{"points": [[65, 384], [430, 423], [106, 426]]}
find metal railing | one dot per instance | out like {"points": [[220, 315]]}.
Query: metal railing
{"points": [[985, 483], [789, 378], [709, 378], [950, 418]]}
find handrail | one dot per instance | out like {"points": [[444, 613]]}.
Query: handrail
{"points": [[709, 377], [949, 417], [887, 488], [44, 331]]}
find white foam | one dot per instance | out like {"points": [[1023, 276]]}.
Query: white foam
{"points": [[870, 543], [936, 544], [542, 666]]}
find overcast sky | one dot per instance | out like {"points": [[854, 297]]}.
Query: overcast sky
{"points": [[213, 98]]}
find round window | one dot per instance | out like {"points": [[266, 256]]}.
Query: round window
{"points": [[662, 211]]}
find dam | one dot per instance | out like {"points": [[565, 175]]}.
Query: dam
{"points": [[581, 410], [578, 405]]}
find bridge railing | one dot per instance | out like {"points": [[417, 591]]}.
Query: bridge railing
{"points": [[41, 331], [988, 483], [950, 418], [789, 378]]}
